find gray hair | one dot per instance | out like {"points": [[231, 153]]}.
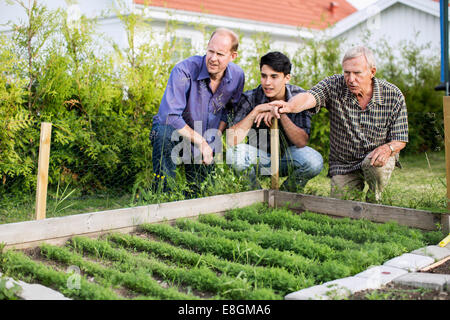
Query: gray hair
{"points": [[360, 51], [233, 36]]}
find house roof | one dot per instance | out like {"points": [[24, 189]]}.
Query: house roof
{"points": [[314, 14]]}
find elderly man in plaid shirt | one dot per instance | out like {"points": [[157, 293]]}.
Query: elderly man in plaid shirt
{"points": [[368, 125], [298, 162]]}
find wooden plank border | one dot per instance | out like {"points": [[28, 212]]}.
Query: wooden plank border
{"points": [[29, 234], [420, 219], [55, 230]]}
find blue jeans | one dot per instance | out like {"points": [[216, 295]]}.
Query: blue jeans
{"points": [[167, 147], [298, 164]]}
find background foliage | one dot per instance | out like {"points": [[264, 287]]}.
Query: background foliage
{"points": [[101, 101]]}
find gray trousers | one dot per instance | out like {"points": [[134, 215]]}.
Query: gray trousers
{"points": [[350, 186]]}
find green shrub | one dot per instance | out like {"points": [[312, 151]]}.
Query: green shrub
{"points": [[101, 99]]}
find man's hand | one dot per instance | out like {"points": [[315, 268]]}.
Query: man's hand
{"points": [[263, 112], [296, 104], [207, 153], [266, 116], [380, 156], [268, 112], [280, 106]]}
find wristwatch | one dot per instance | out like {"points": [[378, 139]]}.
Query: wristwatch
{"points": [[391, 147]]}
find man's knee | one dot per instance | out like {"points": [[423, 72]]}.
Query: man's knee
{"points": [[315, 163], [241, 156], [347, 186], [161, 134], [380, 174], [162, 147], [308, 160]]}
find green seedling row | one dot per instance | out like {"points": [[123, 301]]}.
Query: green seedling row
{"points": [[250, 253], [357, 259], [265, 238], [337, 243], [254, 253], [277, 278], [387, 227], [19, 265], [283, 218], [199, 278], [137, 280], [312, 246]]}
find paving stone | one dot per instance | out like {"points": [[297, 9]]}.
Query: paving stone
{"points": [[424, 280], [318, 292], [336, 289], [410, 262], [34, 291], [381, 275], [39, 292], [354, 284], [436, 252]]}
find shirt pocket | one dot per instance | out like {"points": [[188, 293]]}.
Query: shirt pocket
{"points": [[377, 130]]}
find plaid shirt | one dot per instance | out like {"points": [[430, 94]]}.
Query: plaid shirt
{"points": [[252, 98], [354, 132]]}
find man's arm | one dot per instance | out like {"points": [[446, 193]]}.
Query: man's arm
{"points": [[199, 141], [222, 127], [295, 134], [397, 137], [239, 131], [296, 104], [380, 155]]}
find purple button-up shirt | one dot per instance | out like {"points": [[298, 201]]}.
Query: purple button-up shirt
{"points": [[188, 98]]}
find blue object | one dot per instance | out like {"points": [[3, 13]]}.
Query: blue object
{"points": [[444, 43], [188, 99]]}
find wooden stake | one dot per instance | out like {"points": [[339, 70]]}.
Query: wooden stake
{"points": [[436, 264], [274, 154], [445, 221], [42, 177]]}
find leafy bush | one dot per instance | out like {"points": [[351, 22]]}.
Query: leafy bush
{"points": [[101, 99]]}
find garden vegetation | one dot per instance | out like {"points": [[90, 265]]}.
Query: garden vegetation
{"points": [[250, 253], [101, 98]]}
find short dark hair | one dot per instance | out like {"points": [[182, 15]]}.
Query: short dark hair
{"points": [[277, 61]]}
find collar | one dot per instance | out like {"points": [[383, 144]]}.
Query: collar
{"points": [[376, 93], [287, 93]]}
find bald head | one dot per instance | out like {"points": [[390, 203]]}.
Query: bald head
{"points": [[233, 37]]}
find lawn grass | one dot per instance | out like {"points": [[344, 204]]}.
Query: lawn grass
{"points": [[420, 184]]}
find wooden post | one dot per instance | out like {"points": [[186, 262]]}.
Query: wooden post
{"points": [[274, 154], [445, 221], [42, 177]]}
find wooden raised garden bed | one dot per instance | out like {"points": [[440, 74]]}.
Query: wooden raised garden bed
{"points": [[255, 245]]}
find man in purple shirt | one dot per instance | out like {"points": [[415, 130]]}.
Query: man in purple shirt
{"points": [[195, 104]]}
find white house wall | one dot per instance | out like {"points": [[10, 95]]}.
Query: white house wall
{"points": [[396, 24]]}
